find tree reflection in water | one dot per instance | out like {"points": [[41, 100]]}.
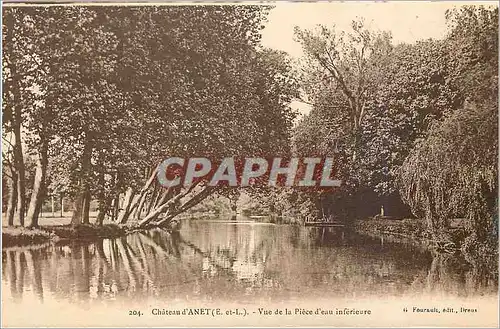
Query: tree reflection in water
{"points": [[237, 262]]}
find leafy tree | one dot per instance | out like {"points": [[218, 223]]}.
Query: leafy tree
{"points": [[453, 172], [112, 101], [414, 91]]}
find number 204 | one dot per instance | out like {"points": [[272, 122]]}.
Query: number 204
{"points": [[134, 312]]}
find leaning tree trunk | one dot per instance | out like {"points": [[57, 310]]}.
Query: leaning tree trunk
{"points": [[207, 190], [162, 197], [135, 203], [11, 206], [140, 207], [154, 198], [39, 187], [164, 207], [127, 206]]}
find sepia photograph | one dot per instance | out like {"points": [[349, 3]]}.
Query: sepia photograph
{"points": [[286, 164]]}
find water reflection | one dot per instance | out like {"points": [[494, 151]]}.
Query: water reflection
{"points": [[230, 261]]}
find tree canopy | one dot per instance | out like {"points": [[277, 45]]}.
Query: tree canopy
{"points": [[112, 91]]}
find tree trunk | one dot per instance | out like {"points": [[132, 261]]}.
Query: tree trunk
{"points": [[76, 218], [188, 204], [53, 208], [126, 208], [62, 204], [164, 207], [86, 206], [11, 207], [102, 201], [104, 207], [21, 175], [39, 187], [82, 201], [101, 213], [161, 199], [142, 202], [116, 207], [144, 190], [152, 201], [17, 118], [164, 197]]}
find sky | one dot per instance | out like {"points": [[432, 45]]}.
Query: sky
{"points": [[407, 21]]}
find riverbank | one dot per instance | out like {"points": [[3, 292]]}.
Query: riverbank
{"points": [[405, 231], [21, 236], [17, 236], [414, 231], [408, 228]]}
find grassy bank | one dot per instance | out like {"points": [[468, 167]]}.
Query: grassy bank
{"points": [[13, 236], [414, 230], [87, 232], [19, 236], [406, 231], [407, 228]]}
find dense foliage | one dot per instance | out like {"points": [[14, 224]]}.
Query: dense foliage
{"points": [[454, 171], [103, 94], [425, 139]]}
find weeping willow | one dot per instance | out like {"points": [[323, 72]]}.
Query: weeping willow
{"points": [[453, 172]]}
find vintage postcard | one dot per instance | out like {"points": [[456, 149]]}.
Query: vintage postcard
{"points": [[289, 164]]}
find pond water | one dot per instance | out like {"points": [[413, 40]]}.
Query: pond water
{"points": [[234, 261]]}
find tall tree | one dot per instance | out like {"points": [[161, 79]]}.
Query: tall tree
{"points": [[453, 171], [175, 83]]}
